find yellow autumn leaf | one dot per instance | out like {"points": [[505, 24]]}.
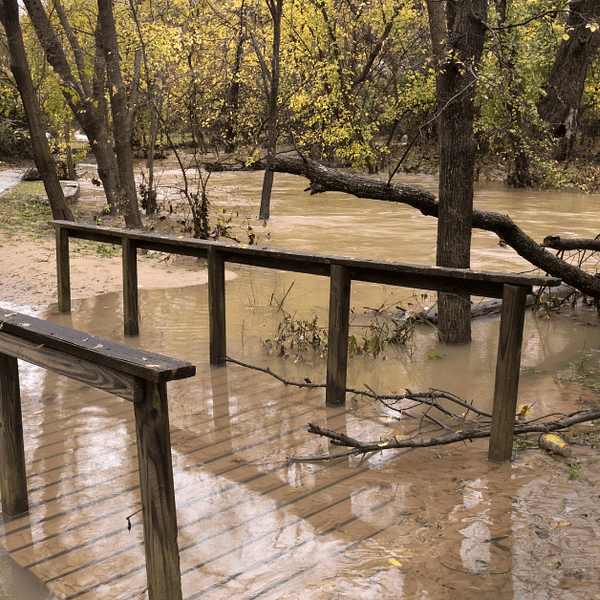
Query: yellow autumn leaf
{"points": [[566, 36], [393, 561], [524, 410], [399, 438], [383, 444]]}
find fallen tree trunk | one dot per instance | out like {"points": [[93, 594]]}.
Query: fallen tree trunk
{"points": [[485, 308], [557, 243], [325, 179]]}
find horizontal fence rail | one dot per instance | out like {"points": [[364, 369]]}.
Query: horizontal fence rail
{"points": [[512, 288], [130, 373]]}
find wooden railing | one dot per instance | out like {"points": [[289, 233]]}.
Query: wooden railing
{"points": [[133, 374], [341, 272]]}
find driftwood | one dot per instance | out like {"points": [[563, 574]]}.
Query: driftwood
{"points": [[399, 443], [485, 308], [325, 179], [557, 243]]}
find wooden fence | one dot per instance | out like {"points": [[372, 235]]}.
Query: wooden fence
{"points": [[133, 374], [513, 289]]}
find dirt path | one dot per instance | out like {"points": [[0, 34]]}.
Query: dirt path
{"points": [[28, 263]]}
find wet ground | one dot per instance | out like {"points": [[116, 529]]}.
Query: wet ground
{"points": [[430, 524]]}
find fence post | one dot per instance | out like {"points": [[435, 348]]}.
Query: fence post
{"points": [[13, 478], [339, 324], [216, 307], [157, 490], [508, 366], [130, 287], [63, 271]]}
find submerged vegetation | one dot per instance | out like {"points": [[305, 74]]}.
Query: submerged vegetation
{"points": [[371, 334]]}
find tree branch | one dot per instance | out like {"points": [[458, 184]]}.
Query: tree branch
{"points": [[325, 179], [398, 442]]}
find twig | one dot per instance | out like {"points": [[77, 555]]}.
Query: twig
{"points": [[273, 374], [420, 397]]}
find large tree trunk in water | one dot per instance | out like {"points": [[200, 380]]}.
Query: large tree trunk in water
{"points": [[324, 179], [458, 58], [9, 14], [559, 107], [121, 122]]}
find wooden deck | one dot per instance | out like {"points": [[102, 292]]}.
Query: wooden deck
{"points": [[250, 525]]}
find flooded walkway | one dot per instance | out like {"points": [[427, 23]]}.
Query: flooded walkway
{"points": [[432, 524], [426, 524]]}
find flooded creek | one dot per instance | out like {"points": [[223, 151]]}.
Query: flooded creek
{"points": [[429, 524]]}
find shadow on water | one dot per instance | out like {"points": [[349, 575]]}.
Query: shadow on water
{"points": [[18, 583]]}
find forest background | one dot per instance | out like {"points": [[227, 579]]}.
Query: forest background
{"points": [[355, 82]]}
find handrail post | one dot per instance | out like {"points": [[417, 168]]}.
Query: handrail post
{"points": [[508, 366], [339, 325], [130, 287], [13, 478], [163, 569], [216, 307], [63, 271]]}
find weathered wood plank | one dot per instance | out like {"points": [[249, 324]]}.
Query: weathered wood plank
{"points": [[477, 283], [131, 313], [157, 491], [216, 307], [508, 368], [80, 369], [119, 357], [13, 475], [339, 324], [63, 271]]}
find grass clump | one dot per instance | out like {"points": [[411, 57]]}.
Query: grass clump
{"points": [[24, 210]]}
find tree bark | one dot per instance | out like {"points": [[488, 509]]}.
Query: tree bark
{"points": [[455, 87], [44, 162], [324, 179], [559, 107], [80, 101], [122, 125], [273, 78]]}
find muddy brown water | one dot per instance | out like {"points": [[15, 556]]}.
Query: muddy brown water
{"points": [[431, 524]]}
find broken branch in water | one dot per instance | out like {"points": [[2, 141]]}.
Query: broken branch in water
{"points": [[469, 430], [430, 397], [397, 442]]}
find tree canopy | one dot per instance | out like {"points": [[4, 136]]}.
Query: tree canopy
{"points": [[357, 79]]}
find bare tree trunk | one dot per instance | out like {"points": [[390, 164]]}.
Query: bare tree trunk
{"points": [[80, 97], [457, 65], [120, 115], [276, 10], [559, 107], [9, 15]]}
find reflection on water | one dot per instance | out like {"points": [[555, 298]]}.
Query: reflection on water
{"points": [[429, 524], [18, 583]]}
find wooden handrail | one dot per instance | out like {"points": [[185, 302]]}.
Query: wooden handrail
{"points": [[131, 373], [477, 283], [513, 288]]}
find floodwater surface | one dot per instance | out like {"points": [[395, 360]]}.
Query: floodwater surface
{"points": [[433, 523]]}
